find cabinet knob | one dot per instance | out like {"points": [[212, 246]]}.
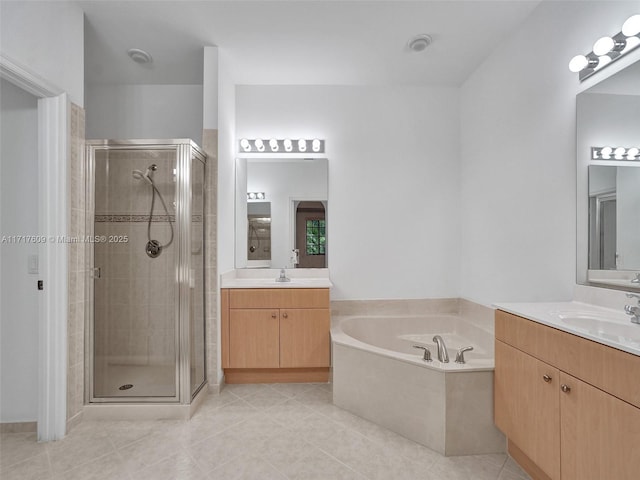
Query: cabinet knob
{"points": [[546, 378], [565, 388], [274, 314], [285, 315]]}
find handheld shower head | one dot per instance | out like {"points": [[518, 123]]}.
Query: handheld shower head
{"points": [[138, 175]]}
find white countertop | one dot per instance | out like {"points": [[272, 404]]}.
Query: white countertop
{"points": [[607, 326], [266, 278]]}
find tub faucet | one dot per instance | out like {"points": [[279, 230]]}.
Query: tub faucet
{"points": [[633, 311], [637, 279], [427, 353], [460, 354], [443, 356]]}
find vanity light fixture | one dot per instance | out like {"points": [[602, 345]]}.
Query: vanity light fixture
{"points": [[608, 49], [618, 153], [286, 145], [256, 196]]}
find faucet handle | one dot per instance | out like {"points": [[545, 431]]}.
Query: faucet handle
{"points": [[634, 295], [460, 354], [427, 353]]}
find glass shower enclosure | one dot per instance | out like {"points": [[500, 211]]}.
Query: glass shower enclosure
{"points": [[146, 331]]}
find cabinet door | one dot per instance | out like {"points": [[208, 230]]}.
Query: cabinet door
{"points": [[527, 406], [600, 434], [304, 337], [253, 338]]}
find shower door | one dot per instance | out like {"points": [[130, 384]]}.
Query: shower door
{"points": [[136, 253]]}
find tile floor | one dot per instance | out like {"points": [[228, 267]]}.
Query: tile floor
{"points": [[283, 431]]}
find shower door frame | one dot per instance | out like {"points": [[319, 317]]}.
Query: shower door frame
{"points": [[185, 150]]}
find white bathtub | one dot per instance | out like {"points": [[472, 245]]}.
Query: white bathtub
{"points": [[378, 375]]}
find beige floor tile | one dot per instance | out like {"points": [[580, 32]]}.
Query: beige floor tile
{"points": [[317, 465], [466, 468], [246, 390], [247, 468], [289, 412], [108, 467], [33, 468], [512, 467], [78, 448], [265, 399], [177, 467], [291, 390], [16, 447]]}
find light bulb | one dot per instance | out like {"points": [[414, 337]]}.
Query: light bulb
{"points": [[251, 196], [288, 145], [631, 27], [595, 153], [302, 145], [603, 46], [632, 153], [603, 60], [260, 195], [273, 145], [632, 42], [315, 145], [606, 152], [244, 143], [259, 145], [578, 63], [619, 153]]}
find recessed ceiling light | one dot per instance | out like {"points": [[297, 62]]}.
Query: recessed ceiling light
{"points": [[139, 56], [419, 43]]}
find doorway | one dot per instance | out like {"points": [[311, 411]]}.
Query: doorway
{"points": [[311, 234]]}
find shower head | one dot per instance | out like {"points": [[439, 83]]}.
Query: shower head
{"points": [[138, 175]]}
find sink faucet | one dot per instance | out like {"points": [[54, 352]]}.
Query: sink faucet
{"points": [[283, 276], [443, 356], [637, 279], [633, 311]]}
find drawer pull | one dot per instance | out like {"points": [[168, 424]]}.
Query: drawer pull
{"points": [[565, 388], [274, 314], [546, 378], [285, 315]]}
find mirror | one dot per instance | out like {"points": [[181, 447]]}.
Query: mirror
{"points": [[608, 240], [285, 228]]}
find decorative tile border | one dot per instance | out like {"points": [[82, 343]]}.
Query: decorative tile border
{"points": [[141, 218]]}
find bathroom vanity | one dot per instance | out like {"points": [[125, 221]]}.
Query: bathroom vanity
{"points": [[567, 394], [275, 332]]}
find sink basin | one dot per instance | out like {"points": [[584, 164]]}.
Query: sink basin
{"points": [[602, 326]]}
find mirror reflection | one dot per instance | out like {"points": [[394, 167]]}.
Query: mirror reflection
{"points": [[259, 231], [287, 228], [608, 221], [614, 218]]}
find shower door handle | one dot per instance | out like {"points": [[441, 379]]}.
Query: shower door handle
{"points": [[96, 272]]}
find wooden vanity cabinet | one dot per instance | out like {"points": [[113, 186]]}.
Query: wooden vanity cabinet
{"points": [[275, 335], [553, 401]]}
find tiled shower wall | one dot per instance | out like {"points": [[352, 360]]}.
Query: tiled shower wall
{"points": [[210, 147], [78, 268], [135, 296]]}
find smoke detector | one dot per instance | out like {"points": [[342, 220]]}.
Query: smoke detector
{"points": [[419, 43], [139, 56]]}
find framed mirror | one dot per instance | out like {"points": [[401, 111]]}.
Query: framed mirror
{"points": [[281, 213], [608, 189]]}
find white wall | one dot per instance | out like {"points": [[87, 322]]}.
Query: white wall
{"points": [[144, 111], [392, 228], [519, 156], [18, 216], [48, 39]]}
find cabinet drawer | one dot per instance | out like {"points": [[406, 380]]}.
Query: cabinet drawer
{"points": [[279, 298], [607, 368]]}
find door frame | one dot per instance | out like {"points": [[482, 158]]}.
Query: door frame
{"points": [[292, 217], [53, 221]]}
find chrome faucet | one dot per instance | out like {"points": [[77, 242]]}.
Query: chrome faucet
{"points": [[283, 276], [633, 311], [443, 356], [427, 353], [460, 354]]}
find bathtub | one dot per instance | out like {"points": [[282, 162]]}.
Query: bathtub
{"points": [[378, 375]]}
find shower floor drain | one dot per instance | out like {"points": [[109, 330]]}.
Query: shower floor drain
{"points": [[125, 387]]}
